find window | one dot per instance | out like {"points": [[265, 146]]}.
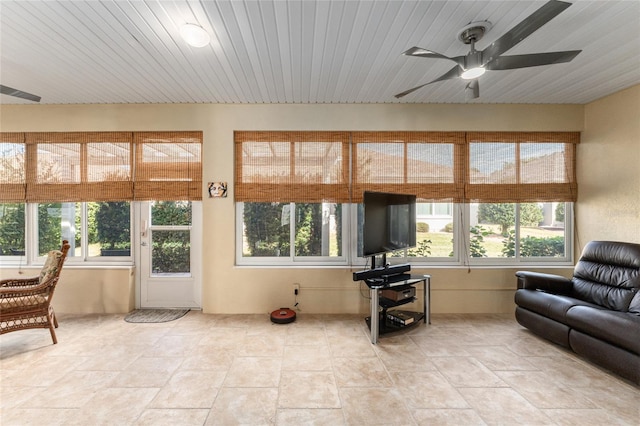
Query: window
{"points": [[79, 186], [528, 230], [12, 229], [483, 197], [296, 232], [94, 230]]}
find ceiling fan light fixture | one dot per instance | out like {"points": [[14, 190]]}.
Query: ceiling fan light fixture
{"points": [[473, 73], [195, 35]]}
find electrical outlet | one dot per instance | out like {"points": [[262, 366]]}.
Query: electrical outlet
{"points": [[296, 289]]}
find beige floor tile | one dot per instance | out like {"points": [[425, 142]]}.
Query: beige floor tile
{"points": [[254, 372], [402, 354], [367, 406], [541, 390], [40, 416], [499, 358], [315, 417], [262, 345], [616, 396], [571, 370], [361, 372], [581, 417], [208, 358], [466, 372], [224, 338], [350, 346], [189, 389], [427, 389], [307, 358], [172, 345], [74, 390], [246, 406], [504, 406], [14, 396], [321, 369], [172, 417], [444, 416], [308, 389], [152, 372], [306, 335], [440, 346], [112, 406]]}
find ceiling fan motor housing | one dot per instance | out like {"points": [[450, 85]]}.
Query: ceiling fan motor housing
{"points": [[473, 60], [473, 32]]}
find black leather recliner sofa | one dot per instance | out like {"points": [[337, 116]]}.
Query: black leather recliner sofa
{"points": [[596, 313]]}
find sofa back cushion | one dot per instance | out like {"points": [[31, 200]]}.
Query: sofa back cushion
{"points": [[608, 274], [634, 306]]}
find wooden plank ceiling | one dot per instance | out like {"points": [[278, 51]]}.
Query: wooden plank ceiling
{"points": [[303, 51]]}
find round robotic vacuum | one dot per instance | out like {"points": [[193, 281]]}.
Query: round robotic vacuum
{"points": [[283, 316]]}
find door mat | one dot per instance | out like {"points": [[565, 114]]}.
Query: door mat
{"points": [[155, 315]]}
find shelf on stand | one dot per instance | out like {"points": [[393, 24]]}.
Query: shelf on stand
{"points": [[389, 326]]}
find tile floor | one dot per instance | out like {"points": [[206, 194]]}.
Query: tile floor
{"points": [[320, 370]]}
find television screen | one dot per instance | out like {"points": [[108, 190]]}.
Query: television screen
{"points": [[389, 222]]}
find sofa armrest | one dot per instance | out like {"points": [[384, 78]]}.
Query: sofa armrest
{"points": [[545, 282]]}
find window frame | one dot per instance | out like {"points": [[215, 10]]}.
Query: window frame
{"points": [[461, 241], [291, 259], [32, 247]]}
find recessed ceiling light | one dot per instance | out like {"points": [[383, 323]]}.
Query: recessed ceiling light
{"points": [[195, 35]]}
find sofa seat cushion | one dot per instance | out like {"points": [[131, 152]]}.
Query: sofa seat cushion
{"points": [[552, 306], [618, 328]]}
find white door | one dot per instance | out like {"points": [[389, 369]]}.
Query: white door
{"points": [[169, 255]]}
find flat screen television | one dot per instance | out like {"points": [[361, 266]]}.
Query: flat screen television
{"points": [[389, 222]]}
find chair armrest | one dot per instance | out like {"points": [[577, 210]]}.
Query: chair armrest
{"points": [[27, 287], [545, 282], [19, 282]]}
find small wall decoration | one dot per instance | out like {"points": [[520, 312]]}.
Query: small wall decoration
{"points": [[217, 189]]}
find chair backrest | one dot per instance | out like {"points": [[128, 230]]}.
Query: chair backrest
{"points": [[53, 264], [608, 274]]}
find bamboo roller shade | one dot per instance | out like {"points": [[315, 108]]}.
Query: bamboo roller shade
{"points": [[100, 166], [282, 166]]}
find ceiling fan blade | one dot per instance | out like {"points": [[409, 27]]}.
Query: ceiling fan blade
{"points": [[524, 29], [424, 53], [5, 90], [531, 60], [452, 73]]}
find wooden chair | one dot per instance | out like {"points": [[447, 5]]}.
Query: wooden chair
{"points": [[26, 302]]}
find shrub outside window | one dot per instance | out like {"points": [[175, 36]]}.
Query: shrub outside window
{"points": [[295, 232], [94, 230]]}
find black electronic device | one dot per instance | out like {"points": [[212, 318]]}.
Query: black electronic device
{"points": [[397, 294], [389, 222], [388, 270], [395, 278]]}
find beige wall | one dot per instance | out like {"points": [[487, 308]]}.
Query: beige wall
{"points": [[608, 206], [231, 289]]}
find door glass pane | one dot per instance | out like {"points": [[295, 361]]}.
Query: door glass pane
{"points": [[171, 213], [171, 252], [12, 229]]}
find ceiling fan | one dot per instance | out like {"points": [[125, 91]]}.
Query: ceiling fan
{"points": [[475, 63], [6, 90]]}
